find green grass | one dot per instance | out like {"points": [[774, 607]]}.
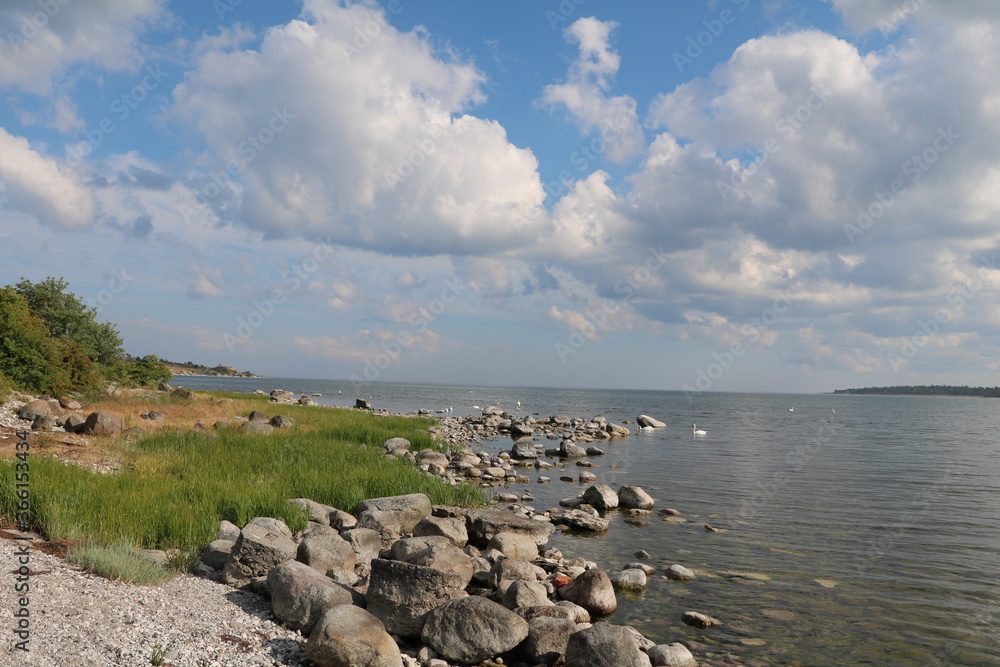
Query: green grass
{"points": [[178, 485], [119, 562]]}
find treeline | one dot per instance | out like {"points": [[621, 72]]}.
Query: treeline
{"points": [[927, 390], [201, 369], [52, 343]]}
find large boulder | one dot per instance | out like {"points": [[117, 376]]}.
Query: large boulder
{"points": [[593, 591], [671, 655], [628, 580], [635, 498], [472, 629], [511, 569], [646, 420], [300, 595], [444, 557], [525, 594], [324, 550], [547, 639], [216, 553], [601, 497], [521, 430], [583, 520], [514, 545], [315, 511], [33, 409], [74, 424], [103, 423], [524, 449], [616, 431], [258, 550], [262, 428], [452, 527], [396, 446], [484, 524], [394, 515], [401, 594], [604, 645], [346, 636], [400, 549]]}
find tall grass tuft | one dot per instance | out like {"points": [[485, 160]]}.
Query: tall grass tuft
{"points": [[119, 562], [177, 485]]}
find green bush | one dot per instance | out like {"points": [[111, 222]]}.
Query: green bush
{"points": [[147, 371]]}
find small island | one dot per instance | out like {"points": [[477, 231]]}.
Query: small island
{"points": [[926, 390]]}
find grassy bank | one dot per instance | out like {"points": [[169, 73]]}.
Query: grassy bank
{"points": [[176, 485]]}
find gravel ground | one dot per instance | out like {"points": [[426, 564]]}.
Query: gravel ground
{"points": [[79, 619]]}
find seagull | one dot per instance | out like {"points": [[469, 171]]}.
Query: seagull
{"points": [[698, 431], [476, 407], [791, 409], [834, 411], [519, 404]]}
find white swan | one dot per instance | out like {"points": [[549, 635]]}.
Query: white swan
{"points": [[644, 428], [698, 431], [791, 409]]}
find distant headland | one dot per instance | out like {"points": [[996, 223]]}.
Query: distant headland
{"points": [[926, 390], [191, 368]]}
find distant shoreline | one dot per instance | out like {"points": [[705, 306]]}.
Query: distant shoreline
{"points": [[924, 390]]}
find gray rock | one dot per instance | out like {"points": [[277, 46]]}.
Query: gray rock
{"points": [[593, 591], [646, 420], [403, 548], [227, 531], [601, 497], [394, 515], [514, 545], [671, 655], [633, 497], [432, 456], [401, 594], [444, 557], [365, 542], [579, 614], [73, 424], [256, 552], [446, 526], [679, 573], [547, 639], [341, 520], [155, 416], [571, 450], [648, 569], [346, 636], [281, 421], [524, 449], [300, 595], [521, 430], [182, 393], [262, 428], [271, 524], [616, 431], [484, 524], [604, 645], [314, 511], [216, 553], [396, 446], [362, 404], [698, 620], [43, 423], [583, 520], [69, 404], [257, 416], [525, 594], [511, 569], [324, 550], [472, 629], [629, 580], [103, 423]]}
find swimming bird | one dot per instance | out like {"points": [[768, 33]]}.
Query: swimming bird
{"points": [[476, 407], [791, 409], [644, 428], [519, 404], [698, 431]]}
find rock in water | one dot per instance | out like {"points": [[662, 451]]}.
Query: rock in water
{"points": [[472, 629], [524, 449], [601, 497], [482, 525], [646, 420], [593, 591], [671, 655], [628, 580], [604, 645], [634, 498], [348, 635], [698, 620], [679, 573]]}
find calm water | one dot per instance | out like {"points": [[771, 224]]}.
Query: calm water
{"points": [[893, 503]]}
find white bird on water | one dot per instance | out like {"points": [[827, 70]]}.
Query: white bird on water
{"points": [[476, 407], [519, 404], [644, 428], [791, 409], [698, 431]]}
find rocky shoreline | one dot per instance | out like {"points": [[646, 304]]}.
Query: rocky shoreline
{"points": [[400, 582]]}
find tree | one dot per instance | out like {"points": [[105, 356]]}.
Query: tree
{"points": [[141, 372], [66, 316]]}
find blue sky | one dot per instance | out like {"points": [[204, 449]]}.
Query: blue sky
{"points": [[731, 195]]}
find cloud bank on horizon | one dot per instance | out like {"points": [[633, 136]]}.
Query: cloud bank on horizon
{"points": [[735, 196]]}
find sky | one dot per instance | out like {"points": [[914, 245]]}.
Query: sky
{"points": [[732, 195]]}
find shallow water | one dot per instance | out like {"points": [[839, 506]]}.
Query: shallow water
{"points": [[892, 502]]}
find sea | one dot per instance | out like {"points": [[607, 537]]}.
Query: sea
{"points": [[852, 530]]}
